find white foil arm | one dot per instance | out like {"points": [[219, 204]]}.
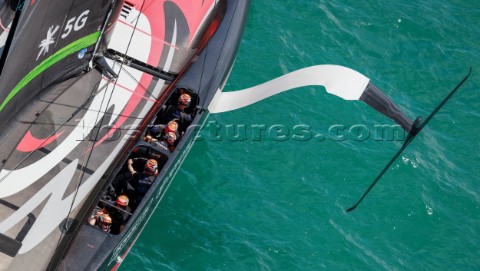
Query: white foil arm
{"points": [[337, 80]]}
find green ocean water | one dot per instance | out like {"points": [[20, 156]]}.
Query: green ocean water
{"points": [[273, 203]]}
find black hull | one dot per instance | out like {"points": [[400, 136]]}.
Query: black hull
{"points": [[89, 248]]}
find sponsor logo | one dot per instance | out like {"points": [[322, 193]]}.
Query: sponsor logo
{"points": [[73, 24], [45, 44]]}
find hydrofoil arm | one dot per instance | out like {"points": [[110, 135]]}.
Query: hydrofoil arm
{"points": [[340, 81]]}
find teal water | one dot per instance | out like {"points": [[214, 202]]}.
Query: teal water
{"points": [[273, 204]]}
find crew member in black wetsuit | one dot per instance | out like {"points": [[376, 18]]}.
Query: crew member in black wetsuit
{"points": [[119, 212], [142, 180], [121, 183], [165, 136], [170, 112]]}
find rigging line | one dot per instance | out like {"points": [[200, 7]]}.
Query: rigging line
{"points": [[61, 126], [135, 79], [82, 172], [59, 80], [64, 124], [221, 50], [86, 156], [94, 141], [136, 94], [61, 27], [80, 177], [148, 34], [56, 130], [86, 160], [95, 91], [79, 108], [126, 50], [102, 32], [121, 66], [108, 102]]}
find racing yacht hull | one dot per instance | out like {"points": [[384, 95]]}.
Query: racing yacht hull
{"points": [[70, 137]]}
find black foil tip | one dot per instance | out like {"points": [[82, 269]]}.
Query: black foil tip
{"points": [[416, 126]]}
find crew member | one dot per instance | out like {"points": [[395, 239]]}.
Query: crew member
{"points": [[165, 136], [142, 180], [102, 219], [170, 112], [119, 212]]}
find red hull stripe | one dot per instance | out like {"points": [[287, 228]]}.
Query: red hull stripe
{"points": [[30, 143]]}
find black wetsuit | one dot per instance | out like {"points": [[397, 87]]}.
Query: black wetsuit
{"points": [[118, 217], [141, 182], [125, 183], [170, 112], [121, 184]]}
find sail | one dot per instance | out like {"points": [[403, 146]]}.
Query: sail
{"points": [[53, 41]]}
